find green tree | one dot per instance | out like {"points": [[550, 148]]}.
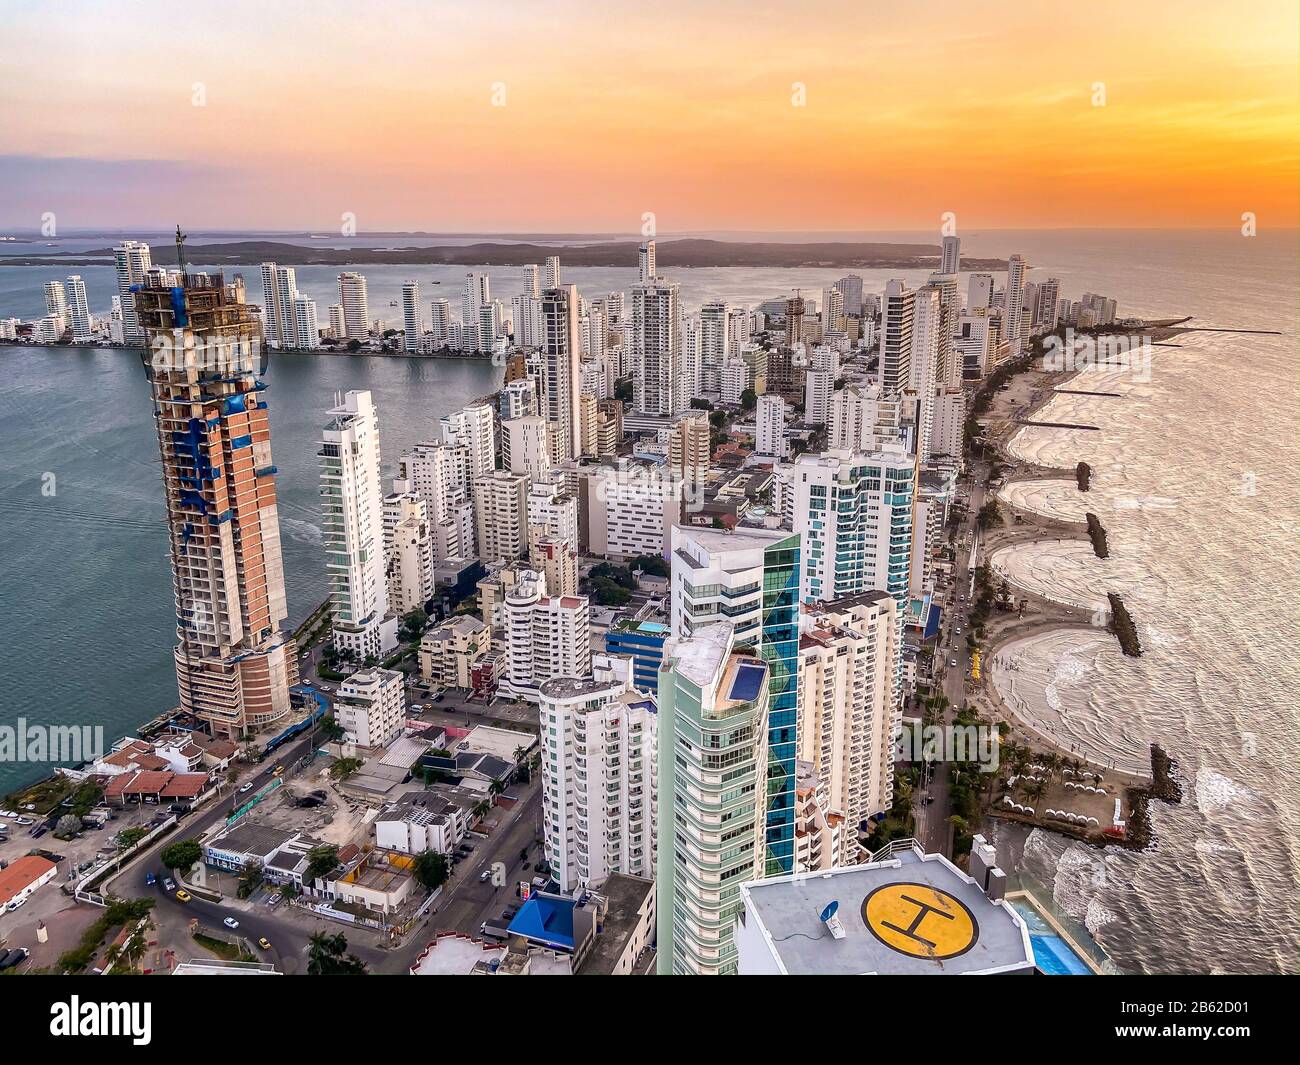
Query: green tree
{"points": [[67, 826], [250, 880], [183, 854], [413, 625], [327, 956], [344, 768], [651, 564], [432, 869], [748, 399], [322, 860]]}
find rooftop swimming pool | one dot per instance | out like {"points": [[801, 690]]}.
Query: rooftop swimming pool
{"points": [[1052, 954]]}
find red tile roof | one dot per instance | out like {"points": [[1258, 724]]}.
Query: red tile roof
{"points": [[185, 786], [22, 872]]}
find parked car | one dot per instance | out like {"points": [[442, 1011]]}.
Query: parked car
{"points": [[15, 904], [952, 661], [14, 957], [24, 821]]}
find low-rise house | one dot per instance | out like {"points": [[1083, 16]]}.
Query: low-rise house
{"points": [[421, 821], [288, 863], [217, 752], [181, 754], [380, 881], [155, 786], [23, 876], [245, 844]]}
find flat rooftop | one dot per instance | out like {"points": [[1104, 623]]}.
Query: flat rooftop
{"points": [[911, 915]]}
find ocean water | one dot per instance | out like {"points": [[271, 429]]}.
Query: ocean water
{"points": [[1195, 478], [1197, 469]]}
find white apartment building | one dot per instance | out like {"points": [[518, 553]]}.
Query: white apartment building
{"points": [[352, 528], [1014, 309], [947, 425], [850, 290], [337, 326], [973, 343], [646, 262], [923, 366], [715, 344], [50, 329], [599, 747], [356, 306], [735, 377], [412, 330], [56, 299], [501, 515], [545, 636], [371, 707], [408, 549], [631, 508], [863, 418], [896, 310], [657, 348], [279, 294], [853, 511], [78, 311], [131, 261], [950, 260], [439, 324], [440, 474], [848, 711], [979, 292], [552, 513], [473, 428], [818, 392], [770, 438], [306, 326], [526, 446], [517, 399]]}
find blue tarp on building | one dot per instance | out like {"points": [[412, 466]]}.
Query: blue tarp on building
{"points": [[546, 920]]}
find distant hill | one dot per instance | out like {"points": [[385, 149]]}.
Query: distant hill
{"points": [[669, 253]]}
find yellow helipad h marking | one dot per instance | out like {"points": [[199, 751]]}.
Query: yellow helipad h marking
{"points": [[920, 921]]}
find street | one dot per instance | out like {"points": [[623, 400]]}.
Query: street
{"points": [[932, 827]]}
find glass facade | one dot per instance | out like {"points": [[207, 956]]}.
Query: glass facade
{"points": [[780, 649]]}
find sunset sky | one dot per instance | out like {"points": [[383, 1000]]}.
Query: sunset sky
{"points": [[385, 109]]}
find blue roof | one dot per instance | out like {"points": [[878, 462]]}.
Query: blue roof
{"points": [[545, 919], [748, 681]]}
